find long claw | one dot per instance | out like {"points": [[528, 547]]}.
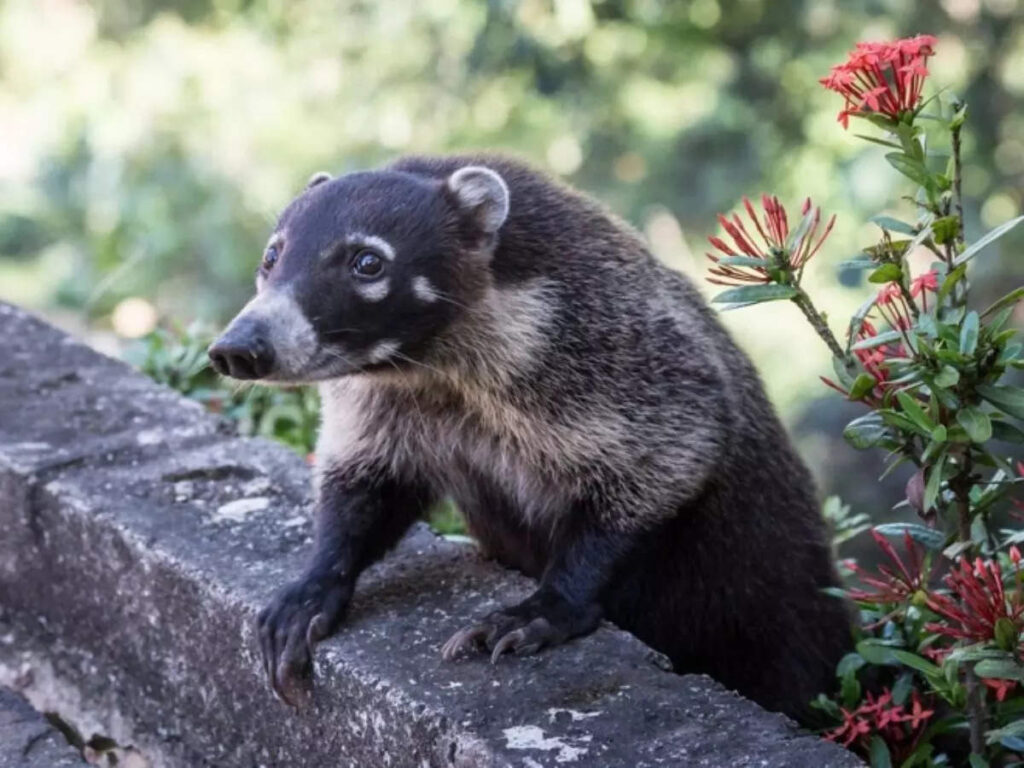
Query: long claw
{"points": [[461, 641], [511, 640]]}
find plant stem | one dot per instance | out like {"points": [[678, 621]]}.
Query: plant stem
{"points": [[817, 322], [957, 176], [960, 485], [976, 711]]}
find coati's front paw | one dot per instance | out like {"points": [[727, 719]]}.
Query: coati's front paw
{"points": [[298, 617], [536, 623]]}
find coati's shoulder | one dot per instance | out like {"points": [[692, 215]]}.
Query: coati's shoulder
{"points": [[547, 219]]}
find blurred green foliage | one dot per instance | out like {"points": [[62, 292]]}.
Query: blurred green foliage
{"points": [[145, 146], [178, 360]]}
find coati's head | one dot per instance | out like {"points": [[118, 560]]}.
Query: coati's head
{"points": [[365, 271]]}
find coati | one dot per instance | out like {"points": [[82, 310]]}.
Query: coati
{"points": [[483, 332]]}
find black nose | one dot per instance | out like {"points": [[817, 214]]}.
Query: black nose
{"points": [[248, 357]]}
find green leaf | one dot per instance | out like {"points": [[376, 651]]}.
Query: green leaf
{"points": [[876, 140], [743, 261], [950, 282], [887, 273], [862, 385], [879, 755], [913, 409], [797, 234], [1005, 633], [977, 652], [903, 422], [1009, 399], [1011, 298], [934, 484], [990, 237], [893, 225], [1000, 669], [876, 651], [857, 320], [849, 664], [901, 690], [929, 537], [945, 229], [919, 663], [912, 168], [857, 264], [977, 761], [865, 431], [1007, 432], [969, 334], [886, 337], [947, 377], [1016, 728], [975, 422], [753, 294]]}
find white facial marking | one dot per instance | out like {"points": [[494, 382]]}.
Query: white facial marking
{"points": [[375, 291], [424, 289], [379, 244], [383, 351]]}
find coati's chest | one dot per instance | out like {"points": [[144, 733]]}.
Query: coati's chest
{"points": [[459, 440]]}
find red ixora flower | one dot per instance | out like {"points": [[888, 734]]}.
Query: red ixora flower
{"points": [[923, 285], [893, 583], [874, 361], [978, 603], [882, 78], [893, 307], [999, 687], [772, 230], [900, 729]]}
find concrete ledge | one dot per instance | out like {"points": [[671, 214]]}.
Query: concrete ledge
{"points": [[140, 539], [27, 740]]}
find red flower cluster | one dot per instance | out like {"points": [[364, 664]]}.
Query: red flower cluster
{"points": [[882, 78], [874, 361], [893, 307], [892, 584], [773, 232], [921, 286], [979, 603], [899, 728]]}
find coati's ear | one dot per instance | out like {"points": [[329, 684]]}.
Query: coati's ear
{"points": [[482, 195], [318, 178]]}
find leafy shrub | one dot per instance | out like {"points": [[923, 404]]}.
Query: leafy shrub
{"points": [[937, 676]]}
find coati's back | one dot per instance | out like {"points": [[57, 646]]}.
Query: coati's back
{"points": [[729, 576], [517, 347]]}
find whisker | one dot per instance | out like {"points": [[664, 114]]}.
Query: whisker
{"points": [[445, 297], [408, 359]]}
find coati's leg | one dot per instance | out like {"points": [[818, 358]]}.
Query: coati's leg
{"points": [[358, 518], [565, 605]]}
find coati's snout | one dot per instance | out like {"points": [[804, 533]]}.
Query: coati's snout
{"points": [[244, 352], [365, 272]]}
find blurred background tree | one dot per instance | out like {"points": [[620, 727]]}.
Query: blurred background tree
{"points": [[145, 146]]}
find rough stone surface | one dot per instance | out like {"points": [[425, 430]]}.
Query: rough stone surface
{"points": [[27, 740], [140, 539]]}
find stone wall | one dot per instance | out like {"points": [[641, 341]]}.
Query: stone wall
{"points": [[140, 536]]}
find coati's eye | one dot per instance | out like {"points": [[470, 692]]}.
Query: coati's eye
{"points": [[270, 257], [367, 264]]}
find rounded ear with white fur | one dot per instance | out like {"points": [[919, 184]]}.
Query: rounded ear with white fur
{"points": [[318, 178], [481, 195]]}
